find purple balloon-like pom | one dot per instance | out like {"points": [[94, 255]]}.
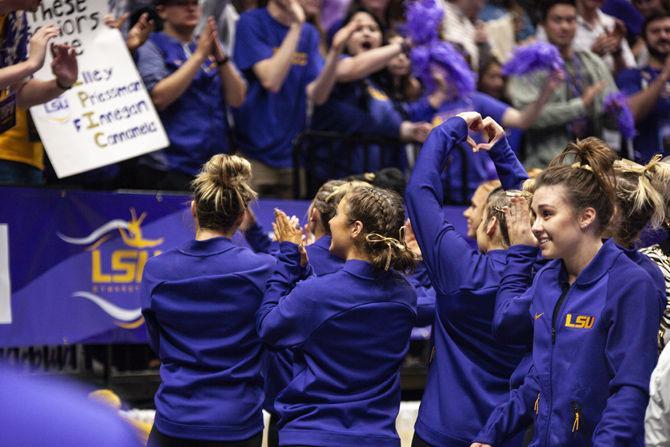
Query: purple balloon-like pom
{"points": [[533, 57], [423, 21], [442, 58], [617, 104]]}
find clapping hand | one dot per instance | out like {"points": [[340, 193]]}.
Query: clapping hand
{"points": [[288, 230], [517, 217]]}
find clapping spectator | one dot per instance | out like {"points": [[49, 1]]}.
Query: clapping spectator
{"points": [[575, 110], [191, 81], [279, 55]]}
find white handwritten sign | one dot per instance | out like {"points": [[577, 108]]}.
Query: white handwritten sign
{"points": [[108, 115]]}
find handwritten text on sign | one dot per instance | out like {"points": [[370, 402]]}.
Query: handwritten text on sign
{"points": [[108, 115]]}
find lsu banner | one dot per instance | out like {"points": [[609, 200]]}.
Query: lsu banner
{"points": [[108, 115], [76, 261]]}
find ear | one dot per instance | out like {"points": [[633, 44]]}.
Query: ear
{"points": [[193, 208], [160, 10], [491, 226], [356, 229], [587, 217]]}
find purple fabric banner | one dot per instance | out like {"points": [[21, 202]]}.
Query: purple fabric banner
{"points": [[76, 260]]}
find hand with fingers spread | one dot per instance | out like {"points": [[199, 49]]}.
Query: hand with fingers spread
{"points": [[139, 33], [115, 22], [285, 230], [517, 219], [39, 43], [64, 65]]}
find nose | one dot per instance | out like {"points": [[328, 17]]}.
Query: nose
{"points": [[537, 228], [466, 213]]}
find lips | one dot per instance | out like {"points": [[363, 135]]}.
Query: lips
{"points": [[366, 45]]}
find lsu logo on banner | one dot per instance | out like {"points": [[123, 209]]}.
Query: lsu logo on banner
{"points": [[117, 264], [579, 321]]}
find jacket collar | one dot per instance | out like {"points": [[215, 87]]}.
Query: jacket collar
{"points": [[599, 265], [362, 269], [211, 246]]}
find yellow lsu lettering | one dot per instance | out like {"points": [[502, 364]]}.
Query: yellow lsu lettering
{"points": [[297, 58], [580, 321], [127, 266]]}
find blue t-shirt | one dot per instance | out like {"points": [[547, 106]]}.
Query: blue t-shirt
{"points": [[267, 122], [478, 166], [196, 122], [654, 131]]}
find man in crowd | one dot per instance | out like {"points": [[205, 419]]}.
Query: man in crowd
{"points": [[278, 54], [575, 110], [648, 90]]}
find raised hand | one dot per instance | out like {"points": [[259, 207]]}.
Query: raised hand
{"points": [[64, 64], [139, 33], [285, 230], [343, 35], [410, 239], [38, 45], [410, 131], [297, 13], [205, 42], [492, 131], [517, 219]]}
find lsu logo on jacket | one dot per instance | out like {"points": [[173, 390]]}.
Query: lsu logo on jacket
{"points": [[579, 321]]}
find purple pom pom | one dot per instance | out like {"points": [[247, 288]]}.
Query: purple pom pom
{"points": [[423, 21], [617, 104], [441, 57], [533, 57]]}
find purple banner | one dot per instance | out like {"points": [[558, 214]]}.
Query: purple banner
{"points": [[76, 260]]}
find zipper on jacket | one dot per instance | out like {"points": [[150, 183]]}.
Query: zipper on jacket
{"points": [[578, 417], [536, 407], [557, 308]]}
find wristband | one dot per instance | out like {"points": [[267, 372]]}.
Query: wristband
{"points": [[61, 86], [223, 61]]}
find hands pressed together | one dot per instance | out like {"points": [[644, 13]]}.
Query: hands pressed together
{"points": [[288, 230]]}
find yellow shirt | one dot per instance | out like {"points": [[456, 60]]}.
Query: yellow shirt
{"points": [[16, 146]]}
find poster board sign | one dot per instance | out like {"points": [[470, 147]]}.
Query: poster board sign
{"points": [[108, 115]]}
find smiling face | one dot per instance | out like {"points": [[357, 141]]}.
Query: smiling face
{"points": [[366, 37], [657, 38], [556, 227]]}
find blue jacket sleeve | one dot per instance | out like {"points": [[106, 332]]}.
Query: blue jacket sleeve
{"points": [[510, 170], [511, 417], [420, 110], [289, 311], [425, 295], [438, 239], [258, 240], [511, 319], [631, 352]]}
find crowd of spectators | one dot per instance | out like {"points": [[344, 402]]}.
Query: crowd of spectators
{"points": [[247, 77]]}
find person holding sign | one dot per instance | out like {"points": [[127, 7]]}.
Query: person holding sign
{"points": [[21, 161], [191, 81]]}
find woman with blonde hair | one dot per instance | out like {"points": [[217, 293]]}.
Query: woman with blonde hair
{"points": [[199, 302], [349, 330]]}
